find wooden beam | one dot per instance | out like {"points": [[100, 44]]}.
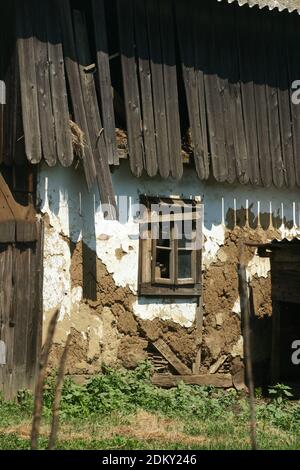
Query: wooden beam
{"points": [[168, 354], [216, 380]]}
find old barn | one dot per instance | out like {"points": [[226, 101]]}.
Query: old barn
{"points": [[109, 105]]}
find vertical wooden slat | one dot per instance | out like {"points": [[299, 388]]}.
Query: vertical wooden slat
{"points": [[199, 34], [247, 54], [271, 33], [212, 93], [186, 26], [293, 55], [144, 70], [107, 108], [21, 312], [238, 162], [29, 92], [284, 102], [258, 66], [223, 66], [39, 15], [170, 85], [92, 112], [159, 105], [72, 71], [7, 328], [10, 110], [130, 84], [59, 97]]}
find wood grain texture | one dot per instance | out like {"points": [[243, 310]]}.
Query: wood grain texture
{"points": [[130, 85], [159, 105], [59, 95], [144, 71], [107, 109], [73, 76], [167, 32], [29, 91], [94, 123]]}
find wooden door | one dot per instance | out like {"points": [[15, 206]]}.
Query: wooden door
{"points": [[20, 314]]}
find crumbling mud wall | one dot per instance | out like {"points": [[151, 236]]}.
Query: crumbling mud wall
{"points": [[91, 273]]}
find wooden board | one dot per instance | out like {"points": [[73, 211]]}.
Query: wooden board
{"points": [[294, 73], [159, 104], [59, 96], [271, 74], [167, 32], [260, 95], [130, 85], [73, 76], [168, 354], [216, 131], [29, 92], [94, 124], [106, 94], [284, 104], [144, 70], [216, 380], [247, 53], [187, 28], [43, 82]]}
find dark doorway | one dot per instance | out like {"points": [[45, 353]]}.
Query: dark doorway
{"points": [[289, 332]]}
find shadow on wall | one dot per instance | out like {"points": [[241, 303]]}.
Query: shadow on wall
{"points": [[62, 194]]}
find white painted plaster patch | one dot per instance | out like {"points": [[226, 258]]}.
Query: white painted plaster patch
{"points": [[77, 214]]}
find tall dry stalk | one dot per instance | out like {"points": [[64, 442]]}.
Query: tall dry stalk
{"points": [[58, 394], [38, 396]]}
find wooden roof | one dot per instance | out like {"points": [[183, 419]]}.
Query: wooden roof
{"points": [[290, 5], [226, 90]]}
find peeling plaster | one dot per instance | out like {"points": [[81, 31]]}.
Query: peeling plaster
{"points": [[76, 214]]}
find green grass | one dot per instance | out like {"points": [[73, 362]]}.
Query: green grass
{"points": [[123, 410]]}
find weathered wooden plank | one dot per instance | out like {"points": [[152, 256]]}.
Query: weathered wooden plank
{"points": [[59, 96], [294, 74], [237, 158], [168, 354], [188, 41], [284, 103], [216, 132], [107, 108], [29, 92], [20, 313], [39, 15], [271, 33], [159, 105], [170, 85], [92, 113], [216, 380], [7, 290], [72, 71], [261, 108], [130, 84], [223, 65], [247, 55], [10, 111], [144, 70]]}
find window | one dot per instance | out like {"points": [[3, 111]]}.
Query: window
{"points": [[170, 247]]}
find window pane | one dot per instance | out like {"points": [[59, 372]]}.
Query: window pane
{"points": [[164, 235], [162, 266], [184, 264]]}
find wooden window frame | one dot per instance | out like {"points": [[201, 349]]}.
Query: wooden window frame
{"points": [[172, 286]]}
